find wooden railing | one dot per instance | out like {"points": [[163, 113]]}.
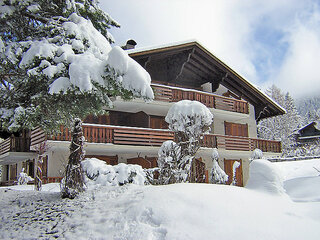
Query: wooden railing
{"points": [[51, 180], [15, 144], [247, 144], [151, 137], [118, 135], [175, 94], [140, 137]]}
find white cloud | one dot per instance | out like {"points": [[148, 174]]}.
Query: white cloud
{"points": [[299, 73], [227, 29]]}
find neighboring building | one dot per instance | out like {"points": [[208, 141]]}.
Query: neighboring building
{"points": [[134, 130], [308, 134]]}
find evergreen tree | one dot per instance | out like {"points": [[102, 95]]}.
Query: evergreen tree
{"points": [[281, 127], [56, 63]]}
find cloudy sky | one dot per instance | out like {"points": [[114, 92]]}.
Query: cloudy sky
{"points": [[274, 41]]}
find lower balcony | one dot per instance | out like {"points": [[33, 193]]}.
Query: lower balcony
{"points": [[94, 133]]}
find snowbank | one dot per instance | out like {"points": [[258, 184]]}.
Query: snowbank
{"points": [[301, 179], [303, 189], [265, 176], [101, 174], [296, 169], [176, 211]]}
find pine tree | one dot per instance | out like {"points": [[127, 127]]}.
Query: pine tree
{"points": [[281, 127], [56, 63]]}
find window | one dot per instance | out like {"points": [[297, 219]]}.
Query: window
{"points": [[236, 129]]}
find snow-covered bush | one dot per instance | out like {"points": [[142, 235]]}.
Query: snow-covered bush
{"points": [[24, 178], [97, 172], [217, 175], [256, 154], [168, 160], [189, 120], [309, 149]]}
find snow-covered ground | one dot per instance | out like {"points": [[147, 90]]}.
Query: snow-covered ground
{"points": [[178, 211]]}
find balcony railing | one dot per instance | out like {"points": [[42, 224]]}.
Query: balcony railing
{"points": [[175, 94], [140, 136], [152, 137], [15, 144], [118, 135]]}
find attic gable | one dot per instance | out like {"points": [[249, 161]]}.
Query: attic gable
{"points": [[189, 64]]}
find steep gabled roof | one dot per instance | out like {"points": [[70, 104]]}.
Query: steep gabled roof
{"points": [[190, 64]]}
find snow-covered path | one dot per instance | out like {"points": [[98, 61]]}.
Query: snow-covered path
{"points": [[179, 211], [115, 213], [32, 215]]}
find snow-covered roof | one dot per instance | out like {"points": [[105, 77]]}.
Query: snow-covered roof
{"points": [[178, 45], [305, 126]]}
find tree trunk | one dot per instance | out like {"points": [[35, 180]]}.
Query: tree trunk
{"points": [[73, 182]]}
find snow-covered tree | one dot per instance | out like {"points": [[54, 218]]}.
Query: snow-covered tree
{"points": [[309, 108], [217, 175], [56, 63], [23, 178], [73, 182], [168, 161], [189, 120], [281, 127]]}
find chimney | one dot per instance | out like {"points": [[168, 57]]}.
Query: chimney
{"points": [[129, 45]]}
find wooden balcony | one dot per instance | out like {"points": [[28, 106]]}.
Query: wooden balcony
{"points": [[153, 137], [15, 144], [118, 135], [175, 94]]}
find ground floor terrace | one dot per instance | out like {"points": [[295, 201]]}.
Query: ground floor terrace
{"points": [[118, 144]]}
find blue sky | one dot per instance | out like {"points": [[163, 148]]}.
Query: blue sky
{"points": [[267, 42]]}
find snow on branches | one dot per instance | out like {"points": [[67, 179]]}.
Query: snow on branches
{"points": [[24, 178], [190, 120], [99, 173], [168, 161], [217, 175], [60, 64]]}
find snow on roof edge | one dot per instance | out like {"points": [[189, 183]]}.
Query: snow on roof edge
{"points": [[189, 41]]}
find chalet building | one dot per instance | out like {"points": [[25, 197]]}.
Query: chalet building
{"points": [[308, 134], [133, 131]]}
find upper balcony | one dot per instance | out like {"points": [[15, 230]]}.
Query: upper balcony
{"points": [[174, 94]]}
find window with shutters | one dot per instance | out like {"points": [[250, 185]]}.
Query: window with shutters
{"points": [[236, 129]]}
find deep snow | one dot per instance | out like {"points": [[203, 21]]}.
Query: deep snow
{"points": [[178, 211]]}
